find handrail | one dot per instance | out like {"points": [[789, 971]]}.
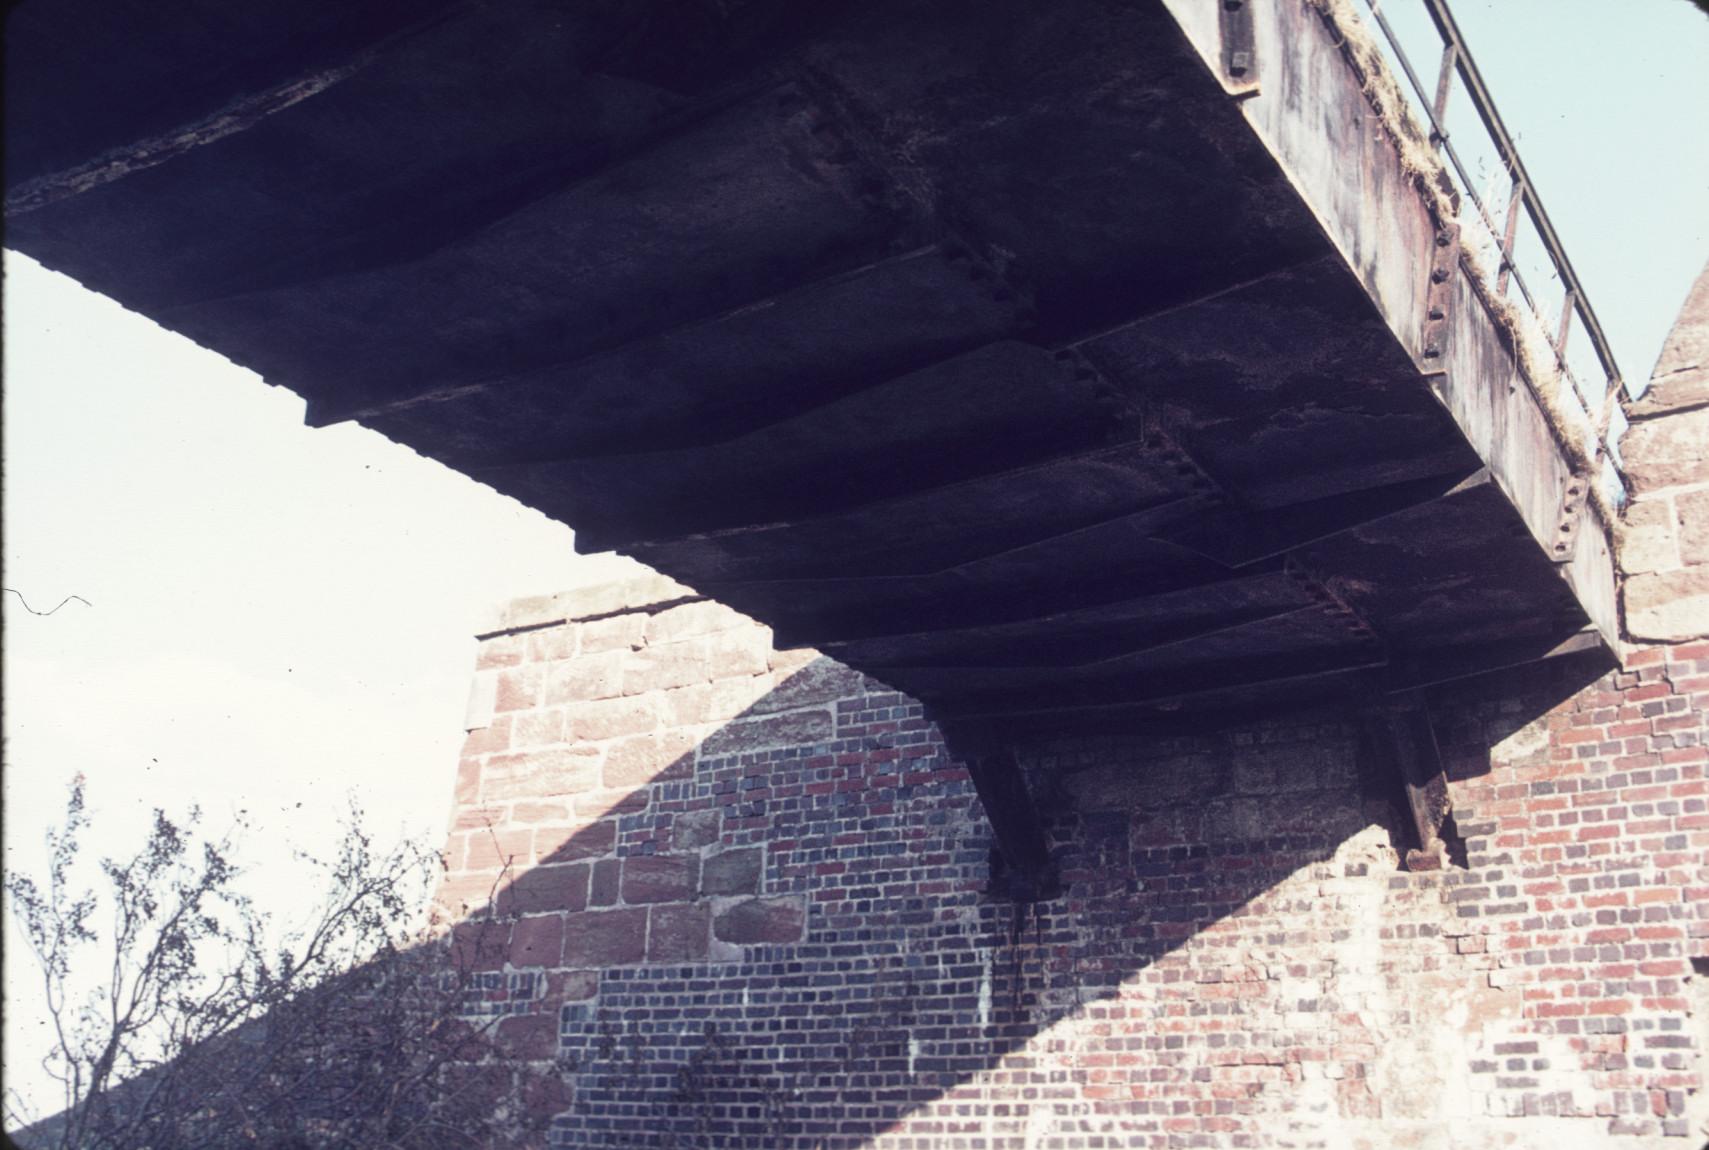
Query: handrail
{"points": [[1457, 61]]}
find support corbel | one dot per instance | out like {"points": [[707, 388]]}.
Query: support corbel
{"points": [[1405, 737], [1021, 867]]}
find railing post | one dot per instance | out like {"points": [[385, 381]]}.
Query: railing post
{"points": [[1508, 234], [1444, 85], [1568, 306]]}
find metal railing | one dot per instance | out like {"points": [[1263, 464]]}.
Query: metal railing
{"points": [[1456, 61]]}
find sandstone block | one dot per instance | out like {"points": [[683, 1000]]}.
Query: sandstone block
{"points": [[817, 682], [618, 633], [528, 1037], [737, 654], [1669, 606], [598, 804], [1645, 536], [686, 620], [793, 728], [733, 872], [571, 985], [499, 651], [531, 814], [575, 841], [586, 677], [490, 739], [666, 667], [1667, 451], [551, 644], [537, 940], [490, 850], [692, 830], [679, 932], [546, 889], [1692, 511], [479, 946], [606, 884], [540, 774], [518, 689], [469, 895], [597, 938], [660, 878], [762, 920], [468, 789], [539, 728], [650, 758], [609, 719]]}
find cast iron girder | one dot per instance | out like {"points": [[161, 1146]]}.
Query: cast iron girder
{"points": [[1021, 866]]}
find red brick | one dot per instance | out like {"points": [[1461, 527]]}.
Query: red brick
{"points": [[598, 938], [660, 878], [679, 932]]}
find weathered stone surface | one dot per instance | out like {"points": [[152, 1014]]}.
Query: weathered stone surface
{"points": [[518, 688], [530, 1037], [483, 945], [660, 878], [586, 677], [618, 633], [574, 841], [482, 704], [609, 719], [1681, 378], [540, 774], [490, 849], [597, 938], [735, 654], [687, 620], [762, 920], [692, 830], [818, 681], [1645, 536], [1664, 452], [679, 932], [545, 889], [732, 872], [606, 885], [665, 667], [532, 814], [1668, 606], [538, 728], [650, 758], [537, 940], [549, 645], [500, 651], [1691, 511], [643, 589], [572, 985], [614, 802], [468, 788], [792, 728]]}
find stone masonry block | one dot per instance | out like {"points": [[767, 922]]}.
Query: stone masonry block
{"points": [[540, 774], [817, 682], [686, 620], [1692, 510], [537, 940], [733, 872], [491, 850], [737, 654], [518, 688], [692, 830], [618, 633], [538, 728], [597, 938], [679, 932], [606, 885], [575, 841], [649, 758], [551, 644], [666, 667], [545, 889], [762, 920], [660, 878], [609, 719], [1646, 537], [585, 678], [1669, 606], [528, 1037], [793, 728], [1667, 452]]}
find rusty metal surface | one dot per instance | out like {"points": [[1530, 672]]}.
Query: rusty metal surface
{"points": [[1010, 354]]}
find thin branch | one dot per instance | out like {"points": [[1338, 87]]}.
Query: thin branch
{"points": [[44, 614]]}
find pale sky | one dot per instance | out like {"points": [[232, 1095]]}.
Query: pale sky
{"points": [[279, 615]]}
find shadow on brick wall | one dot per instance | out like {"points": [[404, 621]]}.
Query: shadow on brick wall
{"points": [[770, 927]]}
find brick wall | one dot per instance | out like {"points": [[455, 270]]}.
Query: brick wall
{"points": [[728, 896]]}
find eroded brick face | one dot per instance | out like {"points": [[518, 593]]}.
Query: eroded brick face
{"points": [[772, 928]]}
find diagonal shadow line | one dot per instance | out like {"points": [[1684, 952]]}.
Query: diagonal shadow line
{"points": [[906, 981]]}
